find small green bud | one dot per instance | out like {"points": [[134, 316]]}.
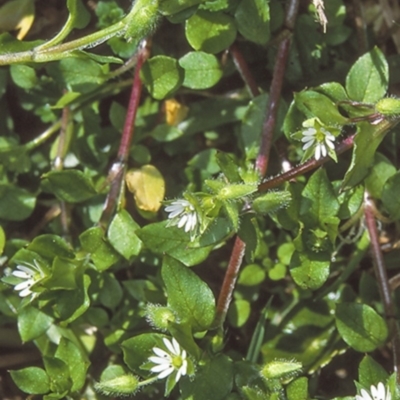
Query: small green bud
{"points": [[271, 201], [236, 191], [124, 385], [159, 316], [388, 106], [280, 369]]}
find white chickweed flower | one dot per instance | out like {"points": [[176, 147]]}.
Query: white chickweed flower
{"points": [[320, 138], [29, 275], [169, 362], [182, 213], [377, 393]]}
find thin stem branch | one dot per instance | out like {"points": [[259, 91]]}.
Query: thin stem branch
{"points": [[244, 71], [230, 278], [116, 172], [381, 276], [309, 165], [238, 251]]}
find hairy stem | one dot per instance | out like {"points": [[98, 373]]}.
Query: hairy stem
{"points": [[383, 283], [116, 172], [261, 164]]}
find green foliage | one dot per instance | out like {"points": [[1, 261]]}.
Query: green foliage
{"points": [[118, 253]]}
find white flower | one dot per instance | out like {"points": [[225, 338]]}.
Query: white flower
{"points": [[29, 275], [182, 214], [377, 393], [321, 138], [169, 362]]}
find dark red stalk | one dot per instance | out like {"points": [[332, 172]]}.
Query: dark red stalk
{"points": [[116, 172], [383, 283], [261, 164]]}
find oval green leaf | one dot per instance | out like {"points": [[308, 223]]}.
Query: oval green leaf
{"points": [[202, 70], [360, 326], [210, 32], [32, 380], [161, 75]]}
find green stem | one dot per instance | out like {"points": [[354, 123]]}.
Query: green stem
{"points": [[136, 25]]}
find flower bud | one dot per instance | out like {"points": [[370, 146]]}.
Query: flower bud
{"points": [[280, 369], [271, 201], [236, 191], [123, 385], [159, 316], [388, 106]]}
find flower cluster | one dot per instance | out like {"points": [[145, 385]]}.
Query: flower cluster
{"points": [[29, 275], [182, 214], [321, 139], [169, 362], [377, 393]]}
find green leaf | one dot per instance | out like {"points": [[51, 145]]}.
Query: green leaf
{"points": [[32, 323], [170, 7], [16, 204], [391, 196], [50, 246], [318, 203], [252, 18], [78, 17], [68, 307], [9, 44], [77, 74], [360, 326], [239, 313], [76, 361], [23, 76], [72, 186], [370, 372], [138, 349], [367, 80], [202, 70], [162, 76], [366, 142], [297, 389], [310, 272], [110, 294], [314, 104], [58, 372], [213, 381], [121, 234], [379, 174], [210, 31], [32, 380], [172, 241], [101, 252], [188, 295]]}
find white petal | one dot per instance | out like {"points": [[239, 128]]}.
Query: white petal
{"points": [[309, 132], [317, 152], [160, 352], [183, 368], [308, 145], [323, 150], [365, 395], [24, 285], [160, 360], [183, 220], [177, 348], [169, 345], [28, 270], [165, 373], [191, 222], [25, 292], [160, 368], [21, 274], [329, 144], [174, 214]]}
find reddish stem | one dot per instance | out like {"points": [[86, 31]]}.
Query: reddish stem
{"points": [[383, 283], [244, 70], [309, 165], [116, 172], [261, 164]]}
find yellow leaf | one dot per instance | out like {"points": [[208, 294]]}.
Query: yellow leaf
{"points": [[175, 112], [148, 187], [17, 15]]}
